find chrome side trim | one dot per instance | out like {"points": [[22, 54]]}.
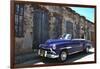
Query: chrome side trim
{"points": [[69, 47], [88, 44], [74, 52], [66, 47]]}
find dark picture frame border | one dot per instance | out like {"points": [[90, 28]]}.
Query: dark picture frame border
{"points": [[12, 33]]}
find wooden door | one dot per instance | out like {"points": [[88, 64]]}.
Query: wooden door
{"points": [[41, 26]]}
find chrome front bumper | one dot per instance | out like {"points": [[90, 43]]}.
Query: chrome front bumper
{"points": [[44, 53]]}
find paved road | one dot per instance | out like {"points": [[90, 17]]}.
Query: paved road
{"points": [[78, 57]]}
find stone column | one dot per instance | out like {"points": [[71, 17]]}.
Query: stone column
{"points": [[52, 25], [28, 28]]}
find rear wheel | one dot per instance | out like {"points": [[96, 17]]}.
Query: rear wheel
{"points": [[63, 56], [86, 50]]}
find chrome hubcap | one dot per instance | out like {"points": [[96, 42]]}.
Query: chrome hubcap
{"points": [[87, 49], [63, 56]]}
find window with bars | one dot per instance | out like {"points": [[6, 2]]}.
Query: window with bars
{"points": [[19, 15], [69, 27]]}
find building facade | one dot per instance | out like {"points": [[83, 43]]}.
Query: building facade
{"points": [[35, 23]]}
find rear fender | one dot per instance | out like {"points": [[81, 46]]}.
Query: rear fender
{"points": [[88, 45]]}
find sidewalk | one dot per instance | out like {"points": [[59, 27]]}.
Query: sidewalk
{"points": [[26, 57]]}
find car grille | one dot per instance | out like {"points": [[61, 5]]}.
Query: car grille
{"points": [[42, 51]]}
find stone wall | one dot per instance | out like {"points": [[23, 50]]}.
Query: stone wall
{"points": [[24, 44]]}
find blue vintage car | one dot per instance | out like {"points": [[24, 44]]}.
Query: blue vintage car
{"points": [[62, 47]]}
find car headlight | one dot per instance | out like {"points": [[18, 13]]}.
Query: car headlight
{"points": [[54, 46]]}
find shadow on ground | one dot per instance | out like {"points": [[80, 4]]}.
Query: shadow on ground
{"points": [[71, 59]]}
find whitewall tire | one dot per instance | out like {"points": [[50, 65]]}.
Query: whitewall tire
{"points": [[63, 56]]}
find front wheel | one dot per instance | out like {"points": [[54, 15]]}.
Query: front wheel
{"points": [[63, 56]]}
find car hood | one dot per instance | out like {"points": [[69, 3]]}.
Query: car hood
{"points": [[54, 41]]}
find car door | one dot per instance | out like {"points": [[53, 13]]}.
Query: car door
{"points": [[78, 46], [75, 46]]}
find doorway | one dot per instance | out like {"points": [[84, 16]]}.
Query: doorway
{"points": [[41, 27]]}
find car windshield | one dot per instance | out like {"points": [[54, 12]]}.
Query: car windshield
{"points": [[66, 36]]}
